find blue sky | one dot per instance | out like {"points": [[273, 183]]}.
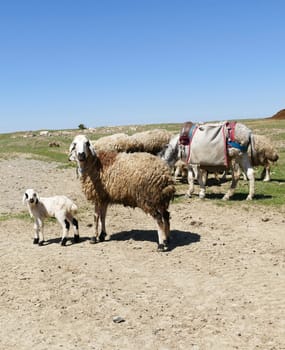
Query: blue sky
{"points": [[120, 62]]}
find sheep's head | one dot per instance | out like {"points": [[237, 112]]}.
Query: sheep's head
{"points": [[80, 149], [170, 152], [271, 154], [30, 197]]}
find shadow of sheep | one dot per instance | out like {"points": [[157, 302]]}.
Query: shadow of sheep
{"points": [[177, 238]]}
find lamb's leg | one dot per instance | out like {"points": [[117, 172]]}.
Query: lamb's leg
{"points": [[99, 222], [65, 224], [65, 232], [74, 223], [76, 230], [39, 232]]}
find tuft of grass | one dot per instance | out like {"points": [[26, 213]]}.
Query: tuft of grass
{"points": [[20, 216]]}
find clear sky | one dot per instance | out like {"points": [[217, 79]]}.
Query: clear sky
{"points": [[119, 62]]}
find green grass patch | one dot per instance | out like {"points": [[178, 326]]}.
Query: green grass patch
{"points": [[34, 146]]}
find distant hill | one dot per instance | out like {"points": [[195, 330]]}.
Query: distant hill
{"points": [[279, 115]]}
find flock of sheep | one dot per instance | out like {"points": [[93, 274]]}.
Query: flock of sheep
{"points": [[137, 171]]}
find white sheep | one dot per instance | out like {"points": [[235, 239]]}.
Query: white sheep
{"points": [[60, 207], [133, 179]]}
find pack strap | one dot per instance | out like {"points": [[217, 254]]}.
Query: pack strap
{"points": [[237, 145]]}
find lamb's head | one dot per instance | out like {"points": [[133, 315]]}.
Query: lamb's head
{"points": [[30, 197], [80, 149]]}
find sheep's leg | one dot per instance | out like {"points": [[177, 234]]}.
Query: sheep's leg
{"points": [[177, 172], [162, 226], [99, 222], [265, 175], [166, 222]]}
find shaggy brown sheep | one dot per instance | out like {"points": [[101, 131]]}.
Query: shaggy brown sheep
{"points": [[132, 179]]}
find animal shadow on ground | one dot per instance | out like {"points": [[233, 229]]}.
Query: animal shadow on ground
{"points": [[69, 240], [272, 180], [215, 182], [177, 238], [237, 196]]}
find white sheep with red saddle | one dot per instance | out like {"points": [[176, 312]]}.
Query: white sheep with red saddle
{"points": [[214, 147]]}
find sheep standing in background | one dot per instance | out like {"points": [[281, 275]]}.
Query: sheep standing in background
{"points": [[151, 141], [116, 142], [60, 207], [265, 154], [133, 179]]}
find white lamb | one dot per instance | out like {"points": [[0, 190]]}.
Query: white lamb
{"points": [[60, 207]]}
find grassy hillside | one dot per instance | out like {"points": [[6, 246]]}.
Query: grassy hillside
{"points": [[33, 145]]}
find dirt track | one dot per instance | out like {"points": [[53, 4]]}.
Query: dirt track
{"points": [[221, 286]]}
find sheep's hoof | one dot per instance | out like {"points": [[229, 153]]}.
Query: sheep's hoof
{"points": [[93, 240], [41, 243], [162, 248], [102, 236], [36, 241], [76, 239], [63, 241]]}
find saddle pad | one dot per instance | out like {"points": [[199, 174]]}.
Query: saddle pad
{"points": [[208, 146]]}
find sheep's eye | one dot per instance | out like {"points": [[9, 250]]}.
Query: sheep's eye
{"points": [[88, 144], [26, 195]]}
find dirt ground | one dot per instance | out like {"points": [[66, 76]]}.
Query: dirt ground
{"points": [[221, 285]]}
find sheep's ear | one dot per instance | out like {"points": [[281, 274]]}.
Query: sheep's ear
{"points": [[92, 149], [71, 155]]}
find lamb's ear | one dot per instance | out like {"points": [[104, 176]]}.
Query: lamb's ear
{"points": [[25, 197]]}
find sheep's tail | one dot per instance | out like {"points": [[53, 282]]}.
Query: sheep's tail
{"points": [[252, 147], [168, 193]]}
